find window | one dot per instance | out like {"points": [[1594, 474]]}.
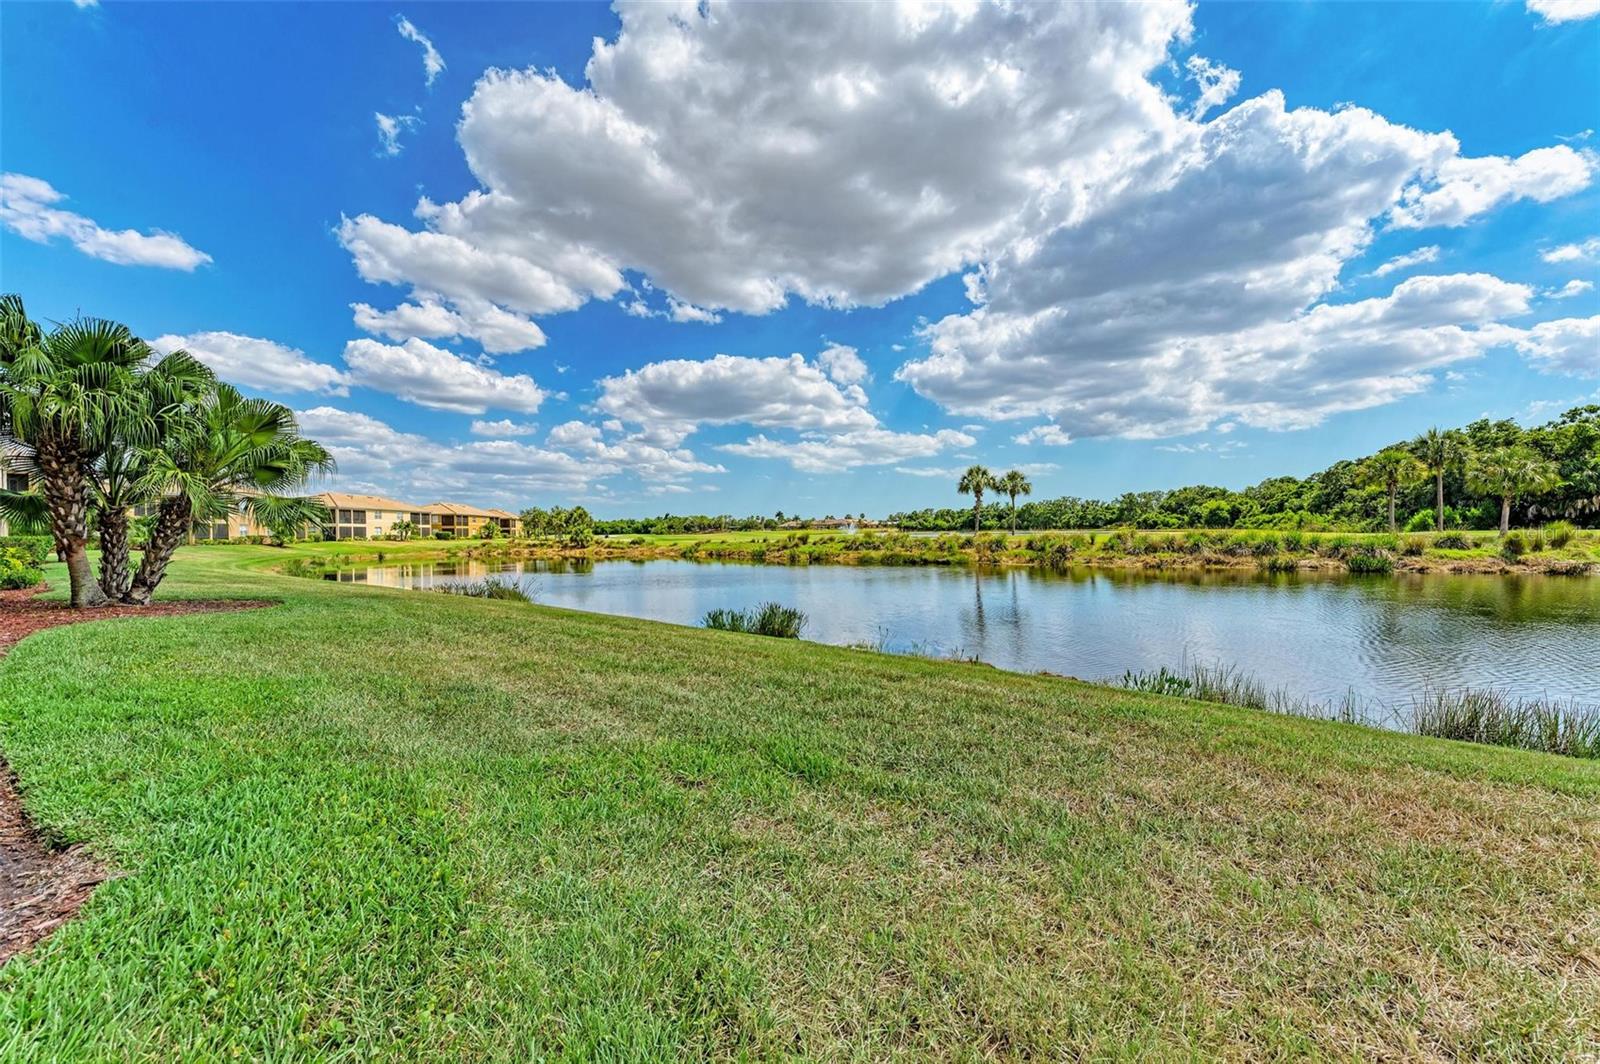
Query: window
{"points": [[16, 481]]}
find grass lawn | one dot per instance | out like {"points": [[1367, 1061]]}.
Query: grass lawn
{"points": [[370, 824]]}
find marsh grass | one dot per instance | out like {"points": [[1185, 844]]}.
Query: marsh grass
{"points": [[1476, 715], [1501, 719], [769, 618], [487, 589]]}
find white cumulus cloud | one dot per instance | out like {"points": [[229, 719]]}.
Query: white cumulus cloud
{"points": [[848, 450], [27, 208], [429, 376], [1576, 252], [256, 363]]}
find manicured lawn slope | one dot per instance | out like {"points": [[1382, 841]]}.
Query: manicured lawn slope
{"points": [[369, 824]]}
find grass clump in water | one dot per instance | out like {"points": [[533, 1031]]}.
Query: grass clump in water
{"points": [[486, 589], [1500, 719], [769, 618]]}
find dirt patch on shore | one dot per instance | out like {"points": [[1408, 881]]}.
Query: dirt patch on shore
{"points": [[42, 885]]}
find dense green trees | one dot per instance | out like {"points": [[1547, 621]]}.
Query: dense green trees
{"points": [[105, 426], [1353, 495]]}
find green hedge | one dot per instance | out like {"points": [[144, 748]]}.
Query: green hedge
{"points": [[36, 549]]}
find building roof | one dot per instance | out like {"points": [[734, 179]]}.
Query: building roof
{"points": [[463, 510], [339, 500]]}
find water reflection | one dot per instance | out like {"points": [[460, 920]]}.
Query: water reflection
{"points": [[1317, 635]]}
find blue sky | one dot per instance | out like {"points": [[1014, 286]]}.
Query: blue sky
{"points": [[1120, 247]]}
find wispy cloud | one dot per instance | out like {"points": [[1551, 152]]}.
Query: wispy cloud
{"points": [[432, 61]]}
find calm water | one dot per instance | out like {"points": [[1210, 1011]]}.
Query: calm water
{"points": [[1386, 638]]}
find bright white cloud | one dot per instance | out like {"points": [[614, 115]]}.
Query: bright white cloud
{"points": [[389, 129], [1554, 11], [1460, 189], [1408, 260], [1049, 435], [503, 429], [1574, 287], [1583, 249], [848, 450], [432, 61], [499, 331], [1218, 84], [843, 364], [1218, 316], [1568, 345], [429, 376], [256, 363], [676, 395], [738, 155], [637, 453], [27, 209]]}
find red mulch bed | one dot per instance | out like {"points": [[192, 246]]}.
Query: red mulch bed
{"points": [[41, 885]]}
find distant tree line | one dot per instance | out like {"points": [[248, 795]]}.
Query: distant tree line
{"points": [[1488, 474]]}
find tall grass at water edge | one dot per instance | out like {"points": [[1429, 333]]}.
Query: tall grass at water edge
{"points": [[1477, 715]]}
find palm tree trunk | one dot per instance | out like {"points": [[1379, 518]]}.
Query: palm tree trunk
{"points": [[66, 496], [1393, 490], [114, 578], [1505, 514], [172, 524], [1013, 515], [977, 510], [1438, 499]]}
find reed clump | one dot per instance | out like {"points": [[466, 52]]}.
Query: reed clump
{"points": [[769, 618]]}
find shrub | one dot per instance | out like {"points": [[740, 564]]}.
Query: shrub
{"points": [[1452, 541], [1513, 546], [770, 618], [1369, 561], [444, 535], [1559, 533], [17, 569], [1277, 563], [36, 549], [1536, 540], [1412, 546]]}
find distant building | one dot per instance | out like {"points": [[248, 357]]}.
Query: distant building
{"points": [[11, 479]]}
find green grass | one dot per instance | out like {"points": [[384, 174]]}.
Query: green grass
{"points": [[371, 824]]}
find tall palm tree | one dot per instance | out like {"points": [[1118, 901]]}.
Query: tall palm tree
{"points": [[1509, 473], [1440, 450], [1391, 468], [228, 453], [1013, 483], [64, 397], [975, 481]]}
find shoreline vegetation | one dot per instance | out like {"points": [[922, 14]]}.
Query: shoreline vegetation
{"points": [[1534, 551], [405, 836]]}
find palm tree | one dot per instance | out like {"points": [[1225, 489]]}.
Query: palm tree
{"points": [[1509, 473], [118, 479], [1013, 483], [229, 453], [1439, 450], [64, 397], [975, 481], [1390, 468]]}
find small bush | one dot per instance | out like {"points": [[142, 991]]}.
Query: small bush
{"points": [[444, 535], [1559, 533], [1413, 546], [770, 619], [1452, 541], [1536, 540], [17, 569], [1513, 546]]}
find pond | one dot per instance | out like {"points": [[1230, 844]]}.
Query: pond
{"points": [[1318, 636]]}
